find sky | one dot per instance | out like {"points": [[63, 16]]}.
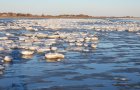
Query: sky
{"points": [[57, 7]]}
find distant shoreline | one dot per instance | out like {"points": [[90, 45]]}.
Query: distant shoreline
{"points": [[67, 17], [80, 16]]}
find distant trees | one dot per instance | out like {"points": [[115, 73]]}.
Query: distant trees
{"points": [[28, 15], [10, 14]]}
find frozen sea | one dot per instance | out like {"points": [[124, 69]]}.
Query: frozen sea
{"points": [[113, 65]]}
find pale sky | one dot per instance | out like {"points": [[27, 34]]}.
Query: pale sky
{"points": [[90, 7]]}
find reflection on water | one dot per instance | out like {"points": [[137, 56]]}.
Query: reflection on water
{"points": [[113, 65], [53, 60], [27, 56]]}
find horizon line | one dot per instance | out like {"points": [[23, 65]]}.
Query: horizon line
{"points": [[64, 14]]}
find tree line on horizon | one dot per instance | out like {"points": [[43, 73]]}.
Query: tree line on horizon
{"points": [[10, 14]]}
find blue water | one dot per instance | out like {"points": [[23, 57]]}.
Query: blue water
{"points": [[117, 56]]}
